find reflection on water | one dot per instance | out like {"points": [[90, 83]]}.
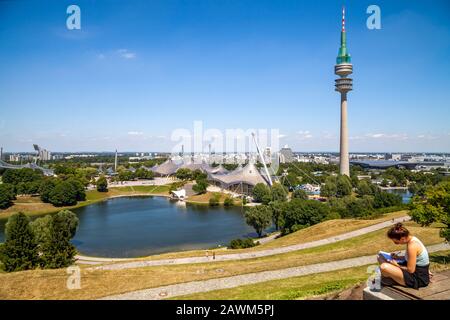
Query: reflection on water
{"points": [[138, 226]]}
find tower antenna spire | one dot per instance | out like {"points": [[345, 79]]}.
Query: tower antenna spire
{"points": [[343, 19]]}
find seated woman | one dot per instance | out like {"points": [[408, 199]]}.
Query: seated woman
{"points": [[414, 272]]}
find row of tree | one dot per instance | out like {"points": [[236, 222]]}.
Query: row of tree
{"points": [[65, 190], [286, 216], [42, 243], [300, 212]]}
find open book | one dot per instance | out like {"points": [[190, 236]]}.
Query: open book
{"points": [[389, 257]]}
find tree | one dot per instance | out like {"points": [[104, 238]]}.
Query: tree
{"points": [[15, 176], [385, 199], [299, 194], [184, 174], [46, 188], [79, 188], [303, 213], [359, 207], [329, 189], [365, 188], [343, 186], [278, 212], [143, 173], [197, 174], [102, 184], [57, 251], [63, 194], [279, 192], [125, 175], [434, 207], [41, 229], [258, 217], [200, 186], [19, 251], [7, 195], [261, 190]]}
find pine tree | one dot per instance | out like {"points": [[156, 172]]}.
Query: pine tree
{"points": [[19, 252]]}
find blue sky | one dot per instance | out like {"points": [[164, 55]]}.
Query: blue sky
{"points": [[137, 70]]}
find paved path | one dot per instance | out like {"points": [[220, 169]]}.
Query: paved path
{"points": [[250, 278], [252, 254], [268, 238]]}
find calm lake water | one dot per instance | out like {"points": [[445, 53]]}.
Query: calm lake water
{"points": [[139, 226], [406, 195]]}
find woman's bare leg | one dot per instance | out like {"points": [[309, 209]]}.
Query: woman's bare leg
{"points": [[393, 272]]}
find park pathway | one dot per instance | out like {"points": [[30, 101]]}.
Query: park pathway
{"points": [[252, 254], [181, 289]]}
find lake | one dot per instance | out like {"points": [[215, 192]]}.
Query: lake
{"points": [[406, 195], [140, 226]]}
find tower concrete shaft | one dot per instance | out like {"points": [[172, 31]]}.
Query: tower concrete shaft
{"points": [[344, 166], [115, 162]]}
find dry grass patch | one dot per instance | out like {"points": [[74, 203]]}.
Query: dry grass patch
{"points": [[50, 284], [306, 286]]}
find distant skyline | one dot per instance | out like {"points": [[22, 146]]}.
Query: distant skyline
{"points": [[138, 70]]}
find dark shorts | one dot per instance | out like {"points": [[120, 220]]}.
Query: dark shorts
{"points": [[420, 277]]}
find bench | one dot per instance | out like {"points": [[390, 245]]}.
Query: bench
{"points": [[439, 289]]}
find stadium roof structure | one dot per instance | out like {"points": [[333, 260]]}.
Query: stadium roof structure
{"points": [[166, 168], [215, 170], [384, 164], [248, 175], [45, 171]]}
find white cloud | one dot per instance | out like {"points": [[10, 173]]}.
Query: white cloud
{"points": [[397, 136], [135, 133], [304, 134], [281, 136], [126, 54], [426, 136]]}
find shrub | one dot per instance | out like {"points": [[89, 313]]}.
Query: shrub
{"points": [[242, 243], [214, 200], [228, 202]]}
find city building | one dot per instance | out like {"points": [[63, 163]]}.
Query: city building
{"points": [[286, 155]]}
